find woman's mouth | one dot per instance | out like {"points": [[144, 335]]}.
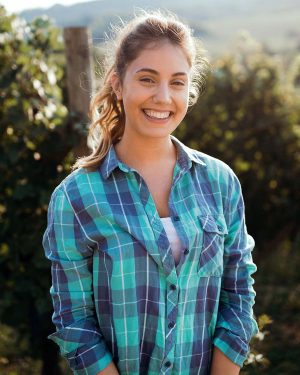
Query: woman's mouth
{"points": [[157, 115]]}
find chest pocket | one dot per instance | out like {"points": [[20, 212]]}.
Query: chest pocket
{"points": [[211, 256]]}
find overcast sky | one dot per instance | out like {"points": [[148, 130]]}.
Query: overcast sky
{"points": [[19, 5]]}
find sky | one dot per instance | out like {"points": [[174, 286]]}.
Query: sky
{"points": [[19, 5]]}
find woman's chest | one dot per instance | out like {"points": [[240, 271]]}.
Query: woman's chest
{"points": [[159, 186], [123, 218]]}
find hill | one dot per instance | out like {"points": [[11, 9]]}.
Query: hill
{"points": [[217, 22]]}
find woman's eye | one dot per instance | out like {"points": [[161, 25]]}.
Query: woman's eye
{"points": [[178, 83], [147, 80]]}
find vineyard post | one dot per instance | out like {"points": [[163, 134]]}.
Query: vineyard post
{"points": [[80, 81]]}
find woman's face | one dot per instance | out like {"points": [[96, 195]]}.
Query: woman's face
{"points": [[155, 91]]}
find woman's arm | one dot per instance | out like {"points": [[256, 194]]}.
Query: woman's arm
{"points": [[109, 370], [222, 365], [77, 329], [235, 324]]}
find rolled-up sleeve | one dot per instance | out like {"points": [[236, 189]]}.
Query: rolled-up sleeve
{"points": [[235, 323], [77, 331]]}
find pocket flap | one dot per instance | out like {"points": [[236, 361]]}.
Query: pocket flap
{"points": [[214, 224]]}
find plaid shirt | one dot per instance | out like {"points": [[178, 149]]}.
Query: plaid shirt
{"points": [[117, 293]]}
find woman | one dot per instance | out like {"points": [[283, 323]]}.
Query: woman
{"points": [[151, 260]]}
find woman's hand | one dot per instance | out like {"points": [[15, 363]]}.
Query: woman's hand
{"points": [[109, 370], [222, 365]]}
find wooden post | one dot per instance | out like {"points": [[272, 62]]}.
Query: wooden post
{"points": [[80, 80]]}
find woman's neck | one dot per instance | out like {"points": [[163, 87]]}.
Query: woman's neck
{"points": [[149, 153]]}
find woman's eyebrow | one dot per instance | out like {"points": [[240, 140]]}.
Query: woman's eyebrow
{"points": [[152, 71]]}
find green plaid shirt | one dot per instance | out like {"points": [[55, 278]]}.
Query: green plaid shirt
{"points": [[116, 291]]}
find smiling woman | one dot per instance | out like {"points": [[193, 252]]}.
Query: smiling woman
{"points": [[151, 259], [129, 72]]}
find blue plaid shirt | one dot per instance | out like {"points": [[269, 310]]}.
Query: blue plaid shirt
{"points": [[116, 291]]}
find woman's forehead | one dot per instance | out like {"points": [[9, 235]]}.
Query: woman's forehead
{"points": [[158, 58]]}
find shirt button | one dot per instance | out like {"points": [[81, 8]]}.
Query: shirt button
{"points": [[186, 251], [168, 364], [171, 324], [176, 218], [173, 286]]}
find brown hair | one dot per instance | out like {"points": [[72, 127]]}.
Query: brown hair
{"points": [[106, 112]]}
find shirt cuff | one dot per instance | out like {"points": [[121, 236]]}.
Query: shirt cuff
{"points": [[87, 359], [231, 345]]}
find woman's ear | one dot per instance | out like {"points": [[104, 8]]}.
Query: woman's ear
{"points": [[116, 85]]}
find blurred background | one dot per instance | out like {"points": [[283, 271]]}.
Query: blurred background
{"points": [[248, 116]]}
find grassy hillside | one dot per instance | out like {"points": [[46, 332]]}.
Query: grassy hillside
{"points": [[217, 22]]}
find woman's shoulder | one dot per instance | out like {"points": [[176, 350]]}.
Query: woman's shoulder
{"points": [[214, 167], [217, 176], [77, 182]]}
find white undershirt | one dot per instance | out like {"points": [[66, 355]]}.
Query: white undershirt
{"points": [[173, 238]]}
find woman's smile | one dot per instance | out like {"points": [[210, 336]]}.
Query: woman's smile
{"points": [[157, 116]]}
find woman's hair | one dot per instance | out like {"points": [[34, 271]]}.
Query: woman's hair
{"points": [[106, 111]]}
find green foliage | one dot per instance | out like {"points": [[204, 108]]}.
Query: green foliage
{"points": [[10, 362], [34, 156]]}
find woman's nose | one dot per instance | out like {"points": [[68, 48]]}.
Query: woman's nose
{"points": [[162, 94]]}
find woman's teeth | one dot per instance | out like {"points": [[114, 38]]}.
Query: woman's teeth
{"points": [[157, 115]]}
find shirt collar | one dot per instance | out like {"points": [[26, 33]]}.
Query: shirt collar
{"points": [[185, 157]]}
